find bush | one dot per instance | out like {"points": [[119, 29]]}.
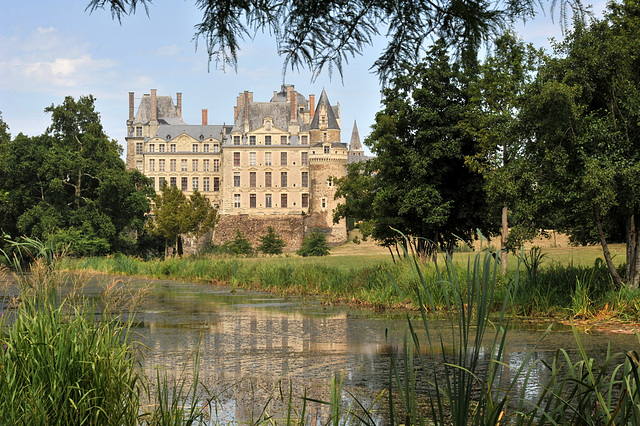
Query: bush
{"points": [[314, 244], [239, 246], [271, 243]]}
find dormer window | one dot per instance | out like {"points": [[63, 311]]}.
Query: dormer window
{"points": [[327, 149], [267, 123]]}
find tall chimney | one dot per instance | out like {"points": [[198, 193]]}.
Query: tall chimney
{"points": [[179, 103], [131, 106], [312, 105], [205, 117], [275, 96], [154, 107], [246, 106], [294, 111]]}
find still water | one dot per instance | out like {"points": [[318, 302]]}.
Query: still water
{"points": [[253, 347]]}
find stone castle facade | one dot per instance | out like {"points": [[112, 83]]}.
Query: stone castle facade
{"points": [[274, 166]]}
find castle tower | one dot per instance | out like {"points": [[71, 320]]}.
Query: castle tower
{"points": [[355, 147]]}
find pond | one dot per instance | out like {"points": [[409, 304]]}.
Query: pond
{"points": [[255, 347]]}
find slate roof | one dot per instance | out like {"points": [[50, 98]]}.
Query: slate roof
{"points": [[355, 144], [331, 113], [167, 113], [168, 131]]}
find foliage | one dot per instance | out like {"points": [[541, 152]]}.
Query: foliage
{"points": [[239, 246], [175, 214], [70, 185], [418, 183], [271, 243], [326, 34], [583, 126], [314, 244]]}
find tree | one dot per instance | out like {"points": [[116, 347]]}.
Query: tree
{"points": [[271, 243], [496, 98], [584, 134], [419, 183], [175, 215], [240, 245], [70, 185], [314, 244], [319, 34]]}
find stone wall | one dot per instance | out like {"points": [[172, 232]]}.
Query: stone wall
{"points": [[289, 228]]}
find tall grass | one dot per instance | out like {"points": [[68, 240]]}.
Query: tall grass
{"points": [[62, 364]]}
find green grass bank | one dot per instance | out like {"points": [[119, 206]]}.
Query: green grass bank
{"points": [[557, 283]]}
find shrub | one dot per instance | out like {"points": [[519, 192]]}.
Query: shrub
{"points": [[240, 245], [314, 244], [271, 243]]}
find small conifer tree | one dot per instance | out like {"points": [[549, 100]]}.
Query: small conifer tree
{"points": [[271, 243], [240, 245], [314, 244]]}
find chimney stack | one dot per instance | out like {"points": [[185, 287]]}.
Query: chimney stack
{"points": [[154, 107], [312, 105], [294, 108], [179, 104], [131, 107], [205, 117]]}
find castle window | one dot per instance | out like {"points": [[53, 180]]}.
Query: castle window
{"points": [[152, 147], [168, 137], [305, 200], [283, 200], [236, 140], [161, 181], [194, 184], [184, 183], [304, 157], [267, 179], [216, 184], [267, 158], [252, 140], [152, 165], [252, 179], [216, 165], [324, 203], [267, 140], [174, 182], [194, 165], [172, 147], [236, 201], [201, 137], [161, 147], [138, 131], [267, 200], [205, 165], [283, 158], [205, 184], [216, 148], [327, 149], [305, 140], [194, 147], [183, 165], [236, 179], [283, 140], [172, 164], [139, 148], [330, 182], [252, 158], [161, 165], [305, 179], [252, 201], [324, 135], [283, 179], [236, 159], [205, 147]]}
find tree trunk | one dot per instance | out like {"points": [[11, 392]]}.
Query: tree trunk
{"points": [[605, 249], [503, 240], [392, 256], [633, 253]]}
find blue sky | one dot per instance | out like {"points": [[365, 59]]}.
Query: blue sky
{"points": [[49, 50]]}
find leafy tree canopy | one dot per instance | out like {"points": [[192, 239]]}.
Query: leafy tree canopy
{"points": [[314, 244], [325, 34], [583, 122], [419, 183], [70, 185]]}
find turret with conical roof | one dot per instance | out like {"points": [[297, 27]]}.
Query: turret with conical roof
{"points": [[355, 147], [325, 124]]}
